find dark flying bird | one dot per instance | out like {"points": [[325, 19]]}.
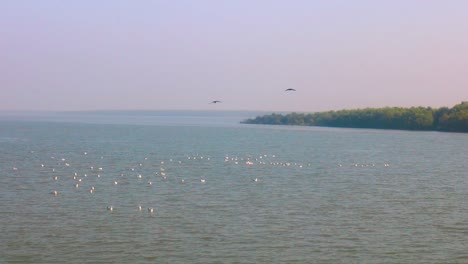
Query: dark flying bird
{"points": [[290, 89], [215, 102]]}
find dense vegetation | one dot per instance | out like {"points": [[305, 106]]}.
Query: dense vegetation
{"points": [[415, 118]]}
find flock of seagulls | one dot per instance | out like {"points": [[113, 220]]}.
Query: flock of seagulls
{"points": [[150, 170], [63, 172], [287, 90]]}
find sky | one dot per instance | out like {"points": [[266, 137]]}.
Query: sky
{"points": [[180, 55]]}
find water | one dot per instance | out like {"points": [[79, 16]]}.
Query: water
{"points": [[322, 195]]}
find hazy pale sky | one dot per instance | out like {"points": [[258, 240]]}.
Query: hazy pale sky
{"points": [[176, 54]]}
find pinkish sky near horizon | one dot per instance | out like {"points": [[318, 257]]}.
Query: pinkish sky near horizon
{"points": [[181, 55]]}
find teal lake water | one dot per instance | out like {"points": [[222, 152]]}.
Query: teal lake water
{"points": [[270, 194]]}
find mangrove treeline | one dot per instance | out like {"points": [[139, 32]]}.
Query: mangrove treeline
{"points": [[453, 119]]}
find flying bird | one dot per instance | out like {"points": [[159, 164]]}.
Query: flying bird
{"points": [[290, 90], [215, 102]]}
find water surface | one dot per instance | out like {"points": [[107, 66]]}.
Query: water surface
{"points": [[322, 195]]}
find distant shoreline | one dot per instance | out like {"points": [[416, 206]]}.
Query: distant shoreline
{"points": [[444, 119]]}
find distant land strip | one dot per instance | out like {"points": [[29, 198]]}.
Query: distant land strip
{"points": [[446, 119]]}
